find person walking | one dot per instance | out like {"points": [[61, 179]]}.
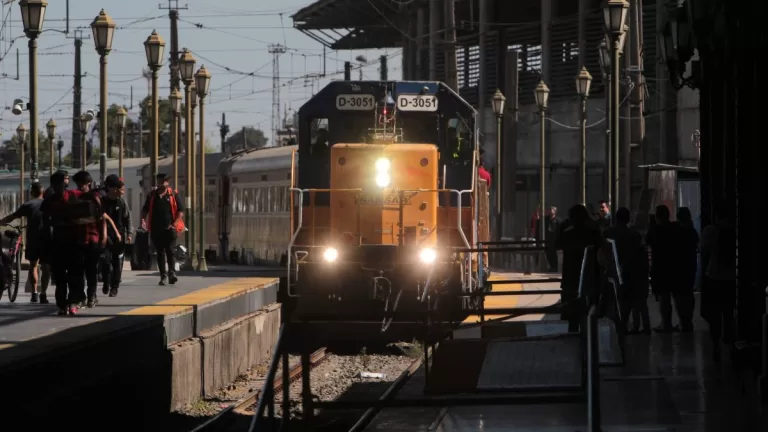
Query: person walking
{"points": [[688, 259], [117, 235], [663, 238], [34, 240], [633, 264], [163, 215], [92, 237]]}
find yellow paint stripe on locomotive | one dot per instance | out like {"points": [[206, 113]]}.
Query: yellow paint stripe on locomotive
{"points": [[498, 301]]}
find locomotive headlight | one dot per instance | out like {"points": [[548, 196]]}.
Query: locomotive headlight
{"points": [[382, 165], [427, 256], [383, 179], [330, 254]]}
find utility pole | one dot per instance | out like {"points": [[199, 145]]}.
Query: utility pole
{"points": [[223, 131], [276, 50], [173, 13], [77, 95]]}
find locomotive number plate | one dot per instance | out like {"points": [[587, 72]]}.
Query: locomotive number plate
{"points": [[412, 102], [355, 102]]}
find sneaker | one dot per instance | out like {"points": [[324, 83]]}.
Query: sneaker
{"points": [[34, 298], [113, 292], [105, 289], [74, 309], [44, 299], [62, 312], [162, 280], [92, 301], [172, 279]]}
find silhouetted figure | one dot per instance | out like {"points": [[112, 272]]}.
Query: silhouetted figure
{"points": [[552, 225], [577, 234], [718, 291], [633, 262], [604, 219], [689, 247], [663, 239]]}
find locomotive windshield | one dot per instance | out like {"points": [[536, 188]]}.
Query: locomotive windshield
{"points": [[386, 112]]}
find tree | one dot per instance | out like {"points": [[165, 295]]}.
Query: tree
{"points": [[254, 138], [9, 153]]}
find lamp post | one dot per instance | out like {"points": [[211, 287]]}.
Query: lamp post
{"points": [[84, 124], [605, 67], [202, 84], [175, 100], [542, 100], [120, 118], [51, 129], [497, 103], [583, 83], [33, 16], [103, 32], [21, 134], [154, 47], [615, 14], [187, 72]]}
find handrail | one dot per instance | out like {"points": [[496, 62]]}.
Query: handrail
{"points": [[268, 390], [593, 371]]}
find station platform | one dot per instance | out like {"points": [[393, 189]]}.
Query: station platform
{"points": [[667, 382], [155, 347]]}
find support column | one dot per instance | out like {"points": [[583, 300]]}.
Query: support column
{"points": [[509, 138], [434, 24]]}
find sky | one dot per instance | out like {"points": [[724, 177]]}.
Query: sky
{"points": [[232, 44]]}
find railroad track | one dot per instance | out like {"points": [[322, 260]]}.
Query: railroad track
{"points": [[241, 407]]}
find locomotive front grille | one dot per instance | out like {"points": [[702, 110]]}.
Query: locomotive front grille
{"points": [[378, 256]]}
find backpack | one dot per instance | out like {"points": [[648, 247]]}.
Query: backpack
{"points": [[83, 210], [179, 225]]}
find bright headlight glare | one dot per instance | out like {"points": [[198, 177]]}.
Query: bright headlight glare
{"points": [[330, 254], [382, 179], [382, 165], [427, 256]]}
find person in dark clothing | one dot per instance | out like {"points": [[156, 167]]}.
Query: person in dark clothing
{"points": [[92, 239], [577, 234], [604, 215], [34, 241], [633, 262], [164, 213], [663, 238], [688, 264], [117, 210], [63, 246], [718, 291], [51, 191], [552, 225]]}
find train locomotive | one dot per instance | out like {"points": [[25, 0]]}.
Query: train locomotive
{"points": [[385, 204]]}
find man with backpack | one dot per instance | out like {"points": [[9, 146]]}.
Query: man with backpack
{"points": [[163, 213], [118, 234], [34, 246], [91, 236]]}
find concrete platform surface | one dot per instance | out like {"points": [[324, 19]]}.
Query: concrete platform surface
{"points": [[196, 303]]}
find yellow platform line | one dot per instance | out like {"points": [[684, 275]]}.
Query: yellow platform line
{"points": [[182, 304], [498, 301]]}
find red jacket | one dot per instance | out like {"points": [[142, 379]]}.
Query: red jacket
{"points": [[485, 175]]}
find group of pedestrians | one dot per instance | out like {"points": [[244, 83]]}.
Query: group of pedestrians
{"points": [[72, 234], [664, 261]]}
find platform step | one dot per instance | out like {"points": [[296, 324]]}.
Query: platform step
{"points": [[532, 365]]}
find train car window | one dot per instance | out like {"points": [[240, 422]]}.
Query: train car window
{"points": [[235, 199]]}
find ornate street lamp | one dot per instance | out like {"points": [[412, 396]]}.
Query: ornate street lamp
{"points": [[542, 101], [615, 13], [154, 47], [583, 83], [33, 17], [202, 85], [21, 134], [51, 129], [497, 103], [175, 100], [121, 116], [187, 73], [103, 32]]}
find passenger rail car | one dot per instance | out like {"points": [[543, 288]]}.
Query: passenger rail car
{"points": [[384, 203], [256, 224]]}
